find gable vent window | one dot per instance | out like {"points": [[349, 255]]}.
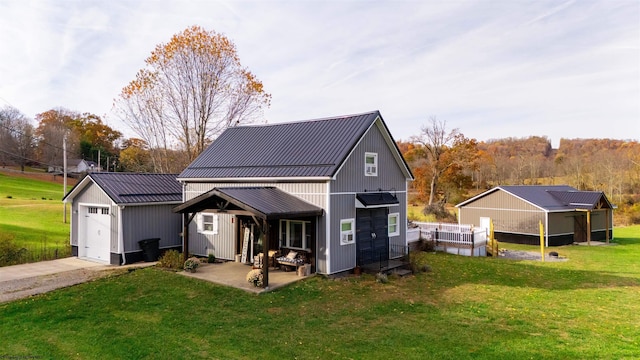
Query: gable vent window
{"points": [[370, 164]]}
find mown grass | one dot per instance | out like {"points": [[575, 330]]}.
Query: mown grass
{"points": [[480, 308], [31, 217]]}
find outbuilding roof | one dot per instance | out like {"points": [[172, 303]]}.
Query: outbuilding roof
{"points": [[133, 188], [552, 197], [266, 202], [314, 148]]}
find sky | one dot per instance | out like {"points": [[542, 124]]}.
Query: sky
{"points": [[490, 68]]}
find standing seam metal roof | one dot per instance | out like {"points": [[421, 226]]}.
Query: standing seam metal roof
{"points": [[133, 188], [313, 148]]}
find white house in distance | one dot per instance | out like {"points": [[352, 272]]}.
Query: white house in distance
{"points": [[333, 190]]}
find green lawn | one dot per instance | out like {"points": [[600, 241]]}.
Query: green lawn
{"points": [[480, 308], [31, 217]]}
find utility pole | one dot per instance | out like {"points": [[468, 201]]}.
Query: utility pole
{"points": [[98, 160], [64, 170]]}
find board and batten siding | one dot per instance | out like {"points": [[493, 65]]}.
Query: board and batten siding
{"points": [[509, 213], [149, 222], [223, 244], [351, 180], [93, 195]]}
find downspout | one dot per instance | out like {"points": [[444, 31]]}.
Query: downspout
{"points": [[121, 235], [327, 235]]}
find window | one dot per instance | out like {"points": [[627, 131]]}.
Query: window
{"points": [[393, 227], [347, 231], [295, 234], [370, 164], [208, 223], [105, 211], [93, 210]]}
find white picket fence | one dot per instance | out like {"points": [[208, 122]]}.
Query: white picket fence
{"points": [[460, 239]]}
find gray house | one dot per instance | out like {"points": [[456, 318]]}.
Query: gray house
{"points": [[112, 212], [333, 190], [567, 214]]}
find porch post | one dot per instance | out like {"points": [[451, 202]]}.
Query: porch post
{"points": [[265, 253], [589, 227], [185, 236], [606, 220]]}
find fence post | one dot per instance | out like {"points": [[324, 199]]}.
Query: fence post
{"points": [[473, 240]]}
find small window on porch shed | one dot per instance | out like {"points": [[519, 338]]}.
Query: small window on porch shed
{"points": [[347, 231], [370, 164], [208, 223]]}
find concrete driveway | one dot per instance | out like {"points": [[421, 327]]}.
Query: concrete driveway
{"points": [[21, 281]]}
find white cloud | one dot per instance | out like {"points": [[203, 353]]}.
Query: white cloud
{"points": [[491, 68]]}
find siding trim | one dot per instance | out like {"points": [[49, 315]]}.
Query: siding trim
{"points": [[505, 209], [257, 179], [327, 235]]}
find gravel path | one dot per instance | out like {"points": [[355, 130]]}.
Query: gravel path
{"points": [[22, 288], [528, 255]]}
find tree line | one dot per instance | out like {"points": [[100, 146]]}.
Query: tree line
{"points": [[450, 168]]}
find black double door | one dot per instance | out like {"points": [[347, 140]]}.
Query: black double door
{"points": [[372, 237]]}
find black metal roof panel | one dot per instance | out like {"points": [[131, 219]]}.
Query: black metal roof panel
{"points": [[581, 199], [266, 202], [313, 148], [134, 188], [372, 199]]}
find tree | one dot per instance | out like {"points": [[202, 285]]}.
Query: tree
{"points": [[442, 150], [135, 156], [17, 136], [53, 126], [192, 89]]}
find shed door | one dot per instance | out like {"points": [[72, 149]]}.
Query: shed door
{"points": [[372, 238], [580, 228], [97, 236]]}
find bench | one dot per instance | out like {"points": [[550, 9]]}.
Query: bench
{"points": [[291, 258]]}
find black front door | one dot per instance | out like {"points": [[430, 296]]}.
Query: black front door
{"points": [[372, 238]]}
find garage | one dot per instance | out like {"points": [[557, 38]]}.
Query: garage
{"points": [[112, 212], [96, 228]]}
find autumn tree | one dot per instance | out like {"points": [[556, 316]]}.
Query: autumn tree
{"points": [[53, 126], [16, 136], [441, 152], [192, 88], [135, 156]]}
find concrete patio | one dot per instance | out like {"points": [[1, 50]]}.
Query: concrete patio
{"points": [[234, 274]]}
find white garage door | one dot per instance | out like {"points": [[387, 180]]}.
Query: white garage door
{"points": [[97, 226]]}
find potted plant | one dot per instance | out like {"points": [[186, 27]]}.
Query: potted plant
{"points": [[191, 264], [256, 278]]}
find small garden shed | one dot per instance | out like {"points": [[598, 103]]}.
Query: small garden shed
{"points": [[567, 214], [112, 212]]}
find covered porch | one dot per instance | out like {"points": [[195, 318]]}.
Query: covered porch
{"points": [[264, 208]]}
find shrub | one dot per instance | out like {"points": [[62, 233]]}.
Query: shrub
{"points": [[440, 212], [10, 252], [171, 259], [382, 278], [192, 264], [211, 259]]}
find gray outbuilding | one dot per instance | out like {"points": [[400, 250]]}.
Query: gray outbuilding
{"points": [[568, 215], [339, 190], [112, 212]]}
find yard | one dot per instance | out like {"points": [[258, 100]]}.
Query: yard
{"points": [[483, 308], [31, 217]]}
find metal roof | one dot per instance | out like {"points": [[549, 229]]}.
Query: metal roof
{"points": [[376, 199], [314, 148], [134, 188], [266, 202], [551, 197]]}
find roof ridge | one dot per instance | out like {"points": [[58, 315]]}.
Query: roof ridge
{"points": [[328, 118]]}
